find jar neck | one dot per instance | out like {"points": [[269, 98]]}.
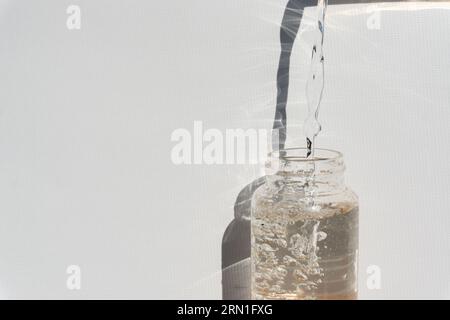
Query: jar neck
{"points": [[294, 171]]}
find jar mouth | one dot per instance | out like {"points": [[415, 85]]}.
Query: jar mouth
{"points": [[299, 155]]}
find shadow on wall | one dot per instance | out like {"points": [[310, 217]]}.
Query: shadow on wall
{"points": [[236, 274]]}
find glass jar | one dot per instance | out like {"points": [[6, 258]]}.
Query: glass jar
{"points": [[304, 229]]}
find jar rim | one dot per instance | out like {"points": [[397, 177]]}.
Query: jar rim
{"points": [[298, 154]]}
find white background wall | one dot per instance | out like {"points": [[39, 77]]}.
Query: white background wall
{"points": [[86, 118]]}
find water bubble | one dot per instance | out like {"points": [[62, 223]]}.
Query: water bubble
{"points": [[321, 236]]}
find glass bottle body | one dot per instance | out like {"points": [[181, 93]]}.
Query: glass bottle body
{"points": [[304, 230]]}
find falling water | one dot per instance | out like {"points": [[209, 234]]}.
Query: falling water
{"points": [[316, 80]]}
